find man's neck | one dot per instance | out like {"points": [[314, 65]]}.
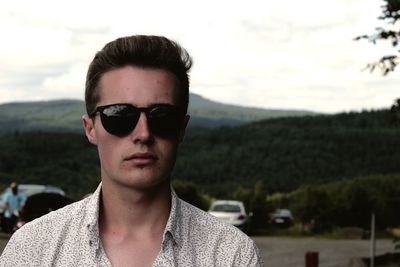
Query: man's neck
{"points": [[129, 211], [132, 223]]}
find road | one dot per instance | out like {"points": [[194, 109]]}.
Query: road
{"points": [[290, 252], [3, 241]]}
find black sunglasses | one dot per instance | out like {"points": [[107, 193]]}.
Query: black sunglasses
{"points": [[164, 120]]}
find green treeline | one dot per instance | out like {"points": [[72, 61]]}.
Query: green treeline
{"points": [[283, 154], [289, 152], [345, 203], [318, 208], [61, 159], [306, 164]]}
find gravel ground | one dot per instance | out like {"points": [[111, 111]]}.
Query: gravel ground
{"points": [[3, 241], [290, 252]]}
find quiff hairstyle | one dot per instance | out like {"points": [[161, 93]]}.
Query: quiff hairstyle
{"points": [[146, 51]]}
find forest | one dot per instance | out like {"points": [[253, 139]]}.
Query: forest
{"points": [[288, 152], [342, 164]]}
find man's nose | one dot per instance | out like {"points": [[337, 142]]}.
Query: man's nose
{"points": [[142, 132]]}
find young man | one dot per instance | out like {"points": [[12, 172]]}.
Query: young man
{"points": [[137, 91]]}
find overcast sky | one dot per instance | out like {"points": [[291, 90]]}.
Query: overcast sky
{"points": [[282, 54]]}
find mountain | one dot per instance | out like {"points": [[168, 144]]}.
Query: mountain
{"points": [[65, 115], [54, 116], [204, 112]]}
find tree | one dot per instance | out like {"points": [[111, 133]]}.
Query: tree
{"points": [[311, 205], [189, 193], [258, 206], [254, 200], [391, 33], [395, 111]]}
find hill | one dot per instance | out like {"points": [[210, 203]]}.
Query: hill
{"points": [[204, 112], [65, 115], [282, 153]]}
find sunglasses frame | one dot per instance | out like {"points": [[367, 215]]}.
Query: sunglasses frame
{"points": [[174, 116]]}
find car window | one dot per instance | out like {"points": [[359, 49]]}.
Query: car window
{"points": [[282, 213], [226, 208]]}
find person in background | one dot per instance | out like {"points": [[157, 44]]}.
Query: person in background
{"points": [[137, 94], [14, 202]]}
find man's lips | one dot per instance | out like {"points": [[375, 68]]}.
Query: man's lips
{"points": [[142, 158]]}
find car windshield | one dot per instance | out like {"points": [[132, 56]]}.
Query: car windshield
{"points": [[226, 208], [282, 213]]}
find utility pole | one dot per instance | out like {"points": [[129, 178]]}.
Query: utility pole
{"points": [[372, 239]]}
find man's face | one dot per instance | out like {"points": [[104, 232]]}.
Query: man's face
{"points": [[140, 159]]}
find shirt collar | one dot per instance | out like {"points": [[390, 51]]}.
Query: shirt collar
{"points": [[92, 217], [175, 219]]}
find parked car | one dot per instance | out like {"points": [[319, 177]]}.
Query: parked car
{"points": [[282, 218], [50, 198], [31, 189], [230, 211], [40, 204]]}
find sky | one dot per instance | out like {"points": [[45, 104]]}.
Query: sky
{"points": [[282, 54]]}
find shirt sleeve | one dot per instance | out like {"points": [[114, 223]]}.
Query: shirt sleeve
{"points": [[6, 197], [250, 255]]}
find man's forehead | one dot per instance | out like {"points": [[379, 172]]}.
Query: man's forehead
{"points": [[121, 84]]}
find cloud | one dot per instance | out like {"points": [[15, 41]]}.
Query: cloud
{"points": [[272, 54]]}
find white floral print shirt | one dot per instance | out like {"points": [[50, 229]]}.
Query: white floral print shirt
{"points": [[70, 237]]}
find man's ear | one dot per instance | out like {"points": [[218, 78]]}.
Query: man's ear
{"points": [[182, 132], [88, 125]]}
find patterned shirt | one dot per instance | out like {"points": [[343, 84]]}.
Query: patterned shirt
{"points": [[70, 237]]}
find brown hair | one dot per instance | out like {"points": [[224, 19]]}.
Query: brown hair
{"points": [[145, 51]]}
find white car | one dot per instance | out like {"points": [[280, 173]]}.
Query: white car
{"points": [[231, 211]]}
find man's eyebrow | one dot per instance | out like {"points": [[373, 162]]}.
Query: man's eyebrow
{"points": [[161, 103]]}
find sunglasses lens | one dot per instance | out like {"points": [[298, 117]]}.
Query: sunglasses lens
{"points": [[119, 119], [165, 121]]}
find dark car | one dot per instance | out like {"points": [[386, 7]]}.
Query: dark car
{"points": [[41, 199], [31, 189], [282, 218], [40, 204]]}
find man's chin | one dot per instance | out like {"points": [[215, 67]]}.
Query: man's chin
{"points": [[145, 182]]}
